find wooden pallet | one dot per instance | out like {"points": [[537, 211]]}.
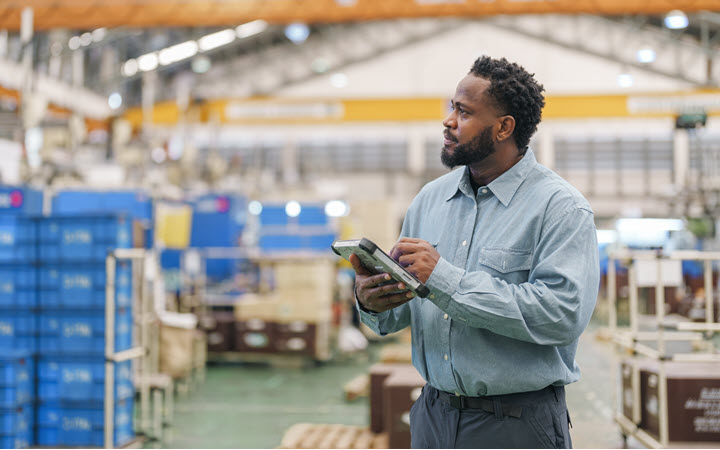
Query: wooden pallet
{"points": [[357, 387], [312, 435]]}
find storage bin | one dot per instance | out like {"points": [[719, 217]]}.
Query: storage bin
{"points": [[83, 286], [82, 331], [73, 380], [18, 239], [17, 376], [82, 238], [18, 286], [17, 331]]}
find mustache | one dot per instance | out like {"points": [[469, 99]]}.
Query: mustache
{"points": [[449, 136]]}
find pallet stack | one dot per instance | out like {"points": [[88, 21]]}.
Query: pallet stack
{"points": [[16, 399], [312, 435], [71, 320]]}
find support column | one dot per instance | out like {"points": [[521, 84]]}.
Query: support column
{"points": [[681, 159]]}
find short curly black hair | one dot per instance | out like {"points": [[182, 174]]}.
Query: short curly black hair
{"points": [[515, 92]]}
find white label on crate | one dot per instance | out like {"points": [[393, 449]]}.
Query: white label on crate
{"points": [[23, 376], [122, 419], [76, 376], [706, 424], [76, 282], [6, 329], [8, 287], [77, 329], [77, 237], [710, 394], [256, 340], [7, 238], [125, 391], [124, 373], [296, 344], [75, 423], [255, 324], [652, 405], [53, 417], [298, 326]]}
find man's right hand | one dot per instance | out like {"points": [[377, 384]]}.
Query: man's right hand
{"points": [[377, 298]]}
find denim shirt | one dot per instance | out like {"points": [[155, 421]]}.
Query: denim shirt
{"points": [[514, 288]]}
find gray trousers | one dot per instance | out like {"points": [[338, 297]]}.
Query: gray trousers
{"points": [[542, 423]]}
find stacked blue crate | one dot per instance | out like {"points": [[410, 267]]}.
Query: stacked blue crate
{"points": [[309, 231], [16, 399], [72, 281]]}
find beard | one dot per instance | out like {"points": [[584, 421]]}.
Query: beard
{"points": [[479, 148]]}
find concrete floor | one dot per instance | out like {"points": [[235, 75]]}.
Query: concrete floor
{"points": [[252, 406]]}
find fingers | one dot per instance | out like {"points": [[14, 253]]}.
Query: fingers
{"points": [[387, 302], [357, 265]]}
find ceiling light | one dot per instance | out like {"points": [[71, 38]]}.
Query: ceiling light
{"points": [[99, 34], [606, 236], [130, 67], [625, 80], [292, 208], [201, 64], [255, 208], [250, 29], [148, 62], [86, 39], [336, 208], [56, 49], [115, 100], [645, 55], [297, 32], [178, 52], [676, 20], [216, 40], [339, 80], [74, 43]]}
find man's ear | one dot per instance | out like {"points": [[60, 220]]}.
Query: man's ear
{"points": [[507, 126]]}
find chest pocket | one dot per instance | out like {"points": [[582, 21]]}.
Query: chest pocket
{"points": [[512, 265]]}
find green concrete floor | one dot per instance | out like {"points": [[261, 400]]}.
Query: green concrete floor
{"points": [[252, 406]]}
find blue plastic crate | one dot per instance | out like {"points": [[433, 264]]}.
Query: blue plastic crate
{"points": [[312, 215], [320, 242], [18, 239], [16, 420], [273, 215], [18, 286], [17, 377], [80, 380], [281, 242], [60, 425], [83, 286], [17, 330], [82, 238], [79, 331], [20, 201], [136, 204]]}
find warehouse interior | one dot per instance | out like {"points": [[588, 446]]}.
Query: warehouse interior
{"points": [[173, 174]]}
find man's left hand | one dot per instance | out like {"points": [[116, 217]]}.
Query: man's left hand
{"points": [[417, 256]]}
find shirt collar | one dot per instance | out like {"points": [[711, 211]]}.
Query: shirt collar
{"points": [[504, 186]]}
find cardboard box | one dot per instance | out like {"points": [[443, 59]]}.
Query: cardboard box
{"points": [[304, 274], [378, 374], [400, 390], [693, 401], [263, 307]]}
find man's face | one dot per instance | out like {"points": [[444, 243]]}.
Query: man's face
{"points": [[469, 132]]}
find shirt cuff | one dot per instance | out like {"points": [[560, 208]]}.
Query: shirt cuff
{"points": [[444, 281], [369, 318]]}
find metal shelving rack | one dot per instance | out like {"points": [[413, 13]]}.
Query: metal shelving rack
{"points": [[137, 258], [633, 339]]}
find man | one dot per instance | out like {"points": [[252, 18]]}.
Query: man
{"points": [[509, 252]]}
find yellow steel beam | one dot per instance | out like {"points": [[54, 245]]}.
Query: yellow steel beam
{"points": [[88, 14]]}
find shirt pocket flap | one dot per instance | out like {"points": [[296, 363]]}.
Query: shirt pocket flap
{"points": [[506, 260]]}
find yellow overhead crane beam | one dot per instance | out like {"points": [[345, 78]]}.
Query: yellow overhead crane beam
{"points": [[89, 14]]}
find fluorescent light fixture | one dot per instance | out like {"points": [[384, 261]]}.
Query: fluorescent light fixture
{"points": [[336, 208], [625, 80], [250, 29], [339, 80], [130, 67], [99, 34], [676, 20], [297, 32], [201, 64], [255, 208], [86, 39], [649, 225], [645, 55], [148, 62], [606, 236], [178, 52], [115, 100], [292, 208], [74, 43], [320, 65], [216, 40]]}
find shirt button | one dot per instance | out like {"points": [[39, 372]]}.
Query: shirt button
{"points": [[484, 191], [457, 394], [445, 357], [475, 207], [445, 316], [464, 243], [432, 296]]}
